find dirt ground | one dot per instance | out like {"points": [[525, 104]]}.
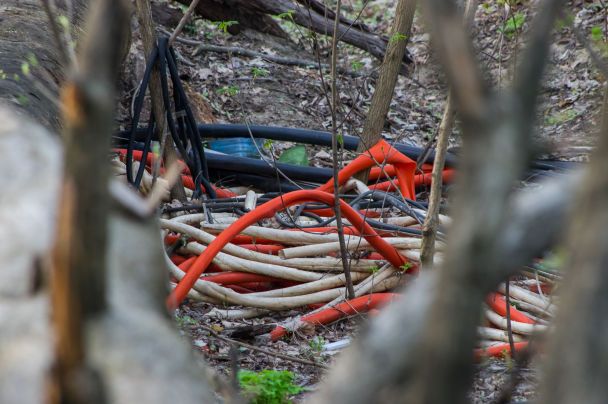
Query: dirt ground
{"points": [[236, 89]]}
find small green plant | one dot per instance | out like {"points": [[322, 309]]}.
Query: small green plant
{"points": [[23, 100], [405, 267], [561, 117], [32, 60], [25, 68], [340, 138], [356, 65], [185, 320], [224, 25], [374, 269], [268, 144], [316, 344], [288, 15], [258, 72], [596, 34], [64, 22], [513, 24], [268, 386], [397, 36], [228, 90]]}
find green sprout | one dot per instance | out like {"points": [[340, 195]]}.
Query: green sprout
{"points": [[405, 267], [228, 90], [259, 72], [288, 15], [268, 386], [268, 144], [356, 65], [317, 344], [397, 36], [224, 25]]}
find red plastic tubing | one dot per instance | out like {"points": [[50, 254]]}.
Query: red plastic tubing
{"points": [[499, 304], [420, 179], [381, 153], [358, 305], [267, 210], [499, 351]]}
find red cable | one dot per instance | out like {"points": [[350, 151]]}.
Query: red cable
{"points": [[235, 278], [420, 179], [498, 351], [499, 304], [358, 305], [381, 153], [272, 249]]}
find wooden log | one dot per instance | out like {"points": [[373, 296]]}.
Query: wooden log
{"points": [[255, 14]]}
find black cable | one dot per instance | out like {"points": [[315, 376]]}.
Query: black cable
{"points": [[181, 123]]}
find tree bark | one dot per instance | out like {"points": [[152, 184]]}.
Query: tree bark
{"points": [[578, 368], [389, 72]]}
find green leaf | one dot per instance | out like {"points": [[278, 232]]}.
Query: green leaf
{"points": [[32, 60], [258, 72], [230, 91], [268, 386], [268, 144], [64, 22], [397, 36], [224, 25], [356, 65], [25, 68], [596, 33], [287, 15], [295, 155], [405, 267], [514, 24], [340, 138]]}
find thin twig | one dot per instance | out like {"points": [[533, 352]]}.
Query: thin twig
{"points": [[61, 47], [262, 350], [429, 231], [509, 329], [334, 146], [183, 21]]}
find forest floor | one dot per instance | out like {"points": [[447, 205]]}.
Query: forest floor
{"points": [[233, 89]]}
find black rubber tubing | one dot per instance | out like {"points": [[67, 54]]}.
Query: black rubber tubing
{"points": [[321, 138]]}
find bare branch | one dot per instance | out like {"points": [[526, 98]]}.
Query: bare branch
{"points": [[183, 21]]}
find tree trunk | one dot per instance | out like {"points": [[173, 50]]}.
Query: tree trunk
{"points": [[578, 373], [389, 72]]}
